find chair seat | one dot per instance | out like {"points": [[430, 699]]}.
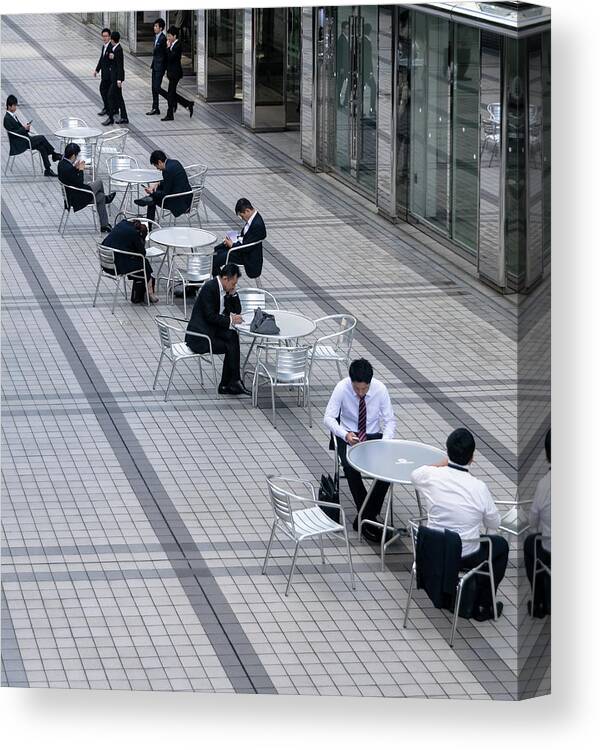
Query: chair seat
{"points": [[312, 521], [195, 278], [281, 375], [322, 351], [155, 252], [181, 349]]}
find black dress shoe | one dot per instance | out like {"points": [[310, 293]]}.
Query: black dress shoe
{"points": [[191, 108], [153, 112], [374, 533], [239, 389], [101, 114], [108, 121], [143, 201], [166, 118], [109, 198], [122, 121], [56, 156], [105, 228], [487, 613], [223, 390], [49, 173]]}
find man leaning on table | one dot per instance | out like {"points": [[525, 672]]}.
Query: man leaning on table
{"points": [[360, 409], [458, 501]]}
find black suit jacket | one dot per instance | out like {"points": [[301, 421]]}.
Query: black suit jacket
{"points": [[104, 62], [117, 68], [175, 180], [69, 175], [17, 145], [205, 317], [174, 69], [124, 236], [253, 257], [438, 556], [159, 54]]}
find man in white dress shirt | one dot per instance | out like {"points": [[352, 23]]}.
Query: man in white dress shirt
{"points": [[540, 522], [457, 501], [360, 409]]}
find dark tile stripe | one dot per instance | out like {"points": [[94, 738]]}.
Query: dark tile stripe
{"points": [[13, 669]]}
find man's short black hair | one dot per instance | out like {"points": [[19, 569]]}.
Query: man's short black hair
{"points": [[173, 31], [11, 100], [229, 270], [547, 445], [242, 205], [105, 30], [157, 156], [460, 446], [72, 149], [160, 22], [361, 371], [115, 36]]}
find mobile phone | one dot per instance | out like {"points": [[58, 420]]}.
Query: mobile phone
{"points": [[30, 121]]}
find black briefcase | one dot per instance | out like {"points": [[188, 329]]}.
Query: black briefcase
{"points": [[138, 291], [329, 492]]}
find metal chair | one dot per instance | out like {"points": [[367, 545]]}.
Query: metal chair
{"points": [[164, 214], [334, 347], [67, 207], [108, 270], [538, 567], [116, 164], [197, 178], [176, 351], [110, 144], [87, 152], [309, 522], [256, 280], [72, 122], [9, 166], [288, 370], [495, 110], [491, 136], [462, 578], [251, 298], [198, 269]]}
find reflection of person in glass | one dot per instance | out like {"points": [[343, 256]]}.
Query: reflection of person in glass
{"points": [[537, 544], [367, 68], [343, 64], [403, 96]]}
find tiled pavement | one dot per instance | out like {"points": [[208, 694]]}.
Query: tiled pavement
{"points": [[134, 530]]}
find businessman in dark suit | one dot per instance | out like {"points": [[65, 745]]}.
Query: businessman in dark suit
{"points": [[130, 236], [70, 173], [13, 124], [159, 63], [175, 180], [103, 67], [248, 245], [175, 74], [117, 79], [216, 311]]}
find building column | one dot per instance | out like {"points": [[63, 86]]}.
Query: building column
{"points": [[248, 111], [201, 61], [308, 91], [386, 121]]}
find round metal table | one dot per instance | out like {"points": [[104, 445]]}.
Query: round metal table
{"points": [[68, 135], [390, 461], [135, 177]]}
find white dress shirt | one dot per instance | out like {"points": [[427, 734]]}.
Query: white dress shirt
{"points": [[539, 515], [457, 501], [245, 228], [105, 48], [345, 402]]}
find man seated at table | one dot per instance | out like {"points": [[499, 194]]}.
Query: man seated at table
{"points": [[540, 522], [458, 501], [70, 173], [360, 409], [40, 143], [216, 311], [174, 181], [247, 245]]}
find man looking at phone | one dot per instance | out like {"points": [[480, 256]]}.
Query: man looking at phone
{"points": [[360, 409], [40, 143]]}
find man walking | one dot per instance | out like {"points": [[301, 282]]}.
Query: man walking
{"points": [[159, 63], [175, 74], [117, 79], [103, 67], [40, 143]]}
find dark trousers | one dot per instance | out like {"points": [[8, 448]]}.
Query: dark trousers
{"points": [[542, 583], [356, 484], [220, 256], [173, 97], [227, 343], [157, 76], [116, 102], [104, 89], [483, 597], [157, 197], [42, 144]]}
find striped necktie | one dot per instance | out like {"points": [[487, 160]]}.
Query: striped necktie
{"points": [[362, 419]]}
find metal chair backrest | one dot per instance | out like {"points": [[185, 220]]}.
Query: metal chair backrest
{"points": [[291, 362], [64, 194], [115, 139], [198, 266], [119, 162], [253, 297], [343, 342], [281, 502], [164, 334], [107, 258], [495, 110], [196, 197], [196, 174], [72, 122]]}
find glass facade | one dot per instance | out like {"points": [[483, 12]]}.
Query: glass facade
{"points": [[224, 53]]}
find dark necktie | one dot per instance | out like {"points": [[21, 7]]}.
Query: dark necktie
{"points": [[362, 419]]}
